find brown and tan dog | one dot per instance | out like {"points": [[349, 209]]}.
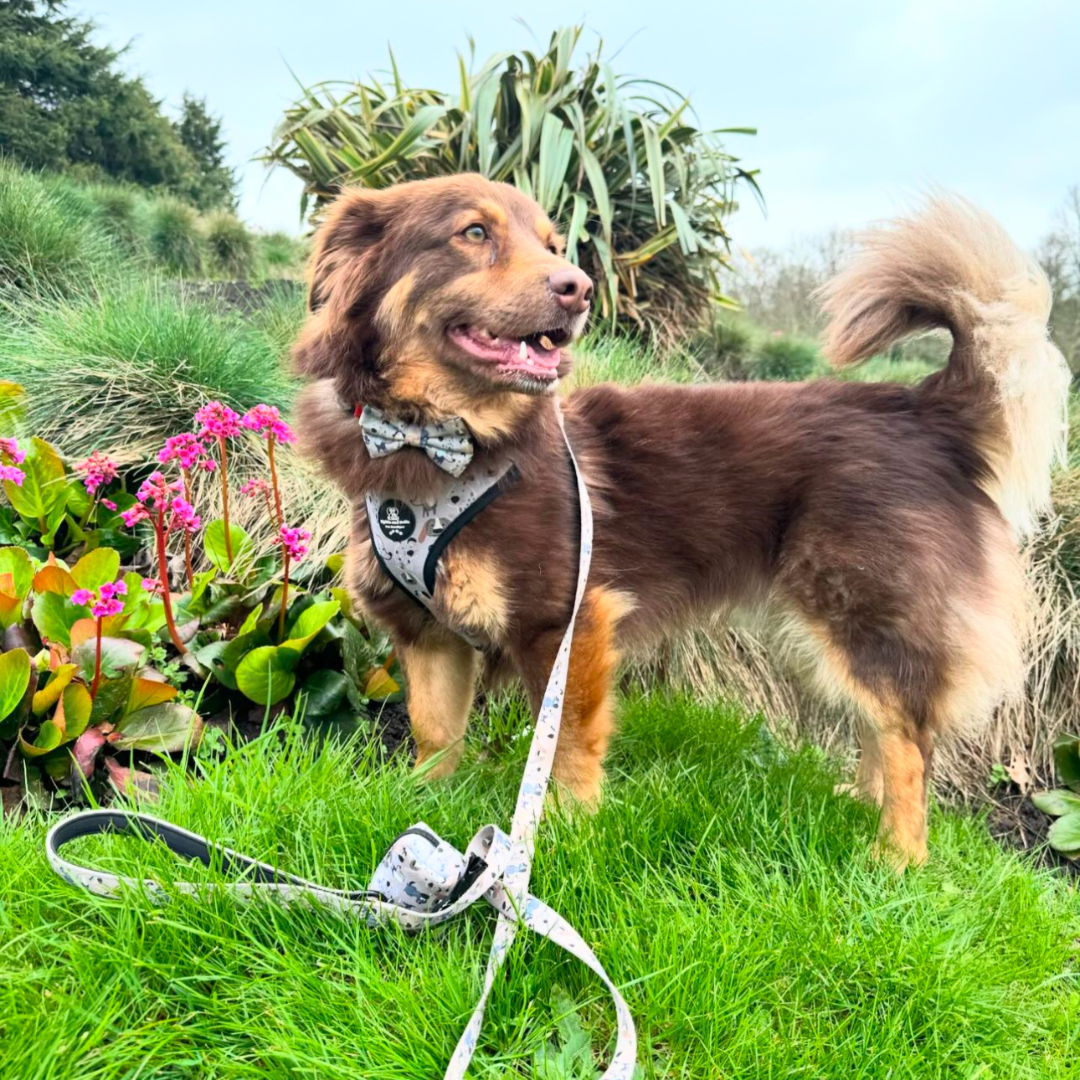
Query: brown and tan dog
{"points": [[879, 521]]}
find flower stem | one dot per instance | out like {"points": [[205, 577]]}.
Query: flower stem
{"points": [[163, 574], [225, 498], [274, 480], [284, 598], [97, 663], [187, 536]]}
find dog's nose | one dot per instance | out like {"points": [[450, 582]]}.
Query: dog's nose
{"points": [[572, 288]]}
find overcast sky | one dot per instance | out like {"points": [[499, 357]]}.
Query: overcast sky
{"points": [[858, 103]]}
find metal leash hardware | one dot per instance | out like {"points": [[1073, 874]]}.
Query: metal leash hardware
{"points": [[421, 880]]}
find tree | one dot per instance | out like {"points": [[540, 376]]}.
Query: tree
{"points": [[213, 183], [1059, 255], [65, 104]]}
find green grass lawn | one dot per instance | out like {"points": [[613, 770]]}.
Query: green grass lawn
{"points": [[723, 884]]}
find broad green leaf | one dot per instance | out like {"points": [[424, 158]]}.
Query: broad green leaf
{"points": [[380, 685], [148, 692], [1067, 760], [10, 604], [50, 735], [325, 693], [117, 656], [96, 568], [214, 546], [161, 729], [76, 705], [12, 408], [16, 562], [1064, 834], [14, 679], [265, 675], [54, 615], [43, 485], [250, 622], [310, 621], [1057, 802], [50, 693], [53, 578]]}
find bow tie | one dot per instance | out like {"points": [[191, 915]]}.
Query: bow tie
{"points": [[446, 442]]}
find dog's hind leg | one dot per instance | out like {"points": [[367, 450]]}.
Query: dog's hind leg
{"points": [[440, 672]]}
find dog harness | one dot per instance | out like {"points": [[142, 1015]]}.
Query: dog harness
{"points": [[422, 880]]}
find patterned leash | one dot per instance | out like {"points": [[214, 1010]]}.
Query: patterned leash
{"points": [[422, 880]]}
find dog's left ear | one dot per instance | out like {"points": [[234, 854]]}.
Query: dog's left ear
{"points": [[345, 284]]}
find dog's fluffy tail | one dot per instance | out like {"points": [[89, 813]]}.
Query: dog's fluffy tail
{"points": [[953, 266]]}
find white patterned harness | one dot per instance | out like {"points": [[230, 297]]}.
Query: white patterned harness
{"points": [[422, 880]]}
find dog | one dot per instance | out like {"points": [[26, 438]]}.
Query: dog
{"points": [[879, 521]]}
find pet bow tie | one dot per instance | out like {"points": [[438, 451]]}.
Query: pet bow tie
{"points": [[446, 442]]}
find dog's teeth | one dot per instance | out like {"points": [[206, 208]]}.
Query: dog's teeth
{"points": [[545, 341], [523, 352]]}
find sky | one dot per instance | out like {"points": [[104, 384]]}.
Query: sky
{"points": [[859, 106]]}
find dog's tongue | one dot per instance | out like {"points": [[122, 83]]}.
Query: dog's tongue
{"points": [[509, 353]]}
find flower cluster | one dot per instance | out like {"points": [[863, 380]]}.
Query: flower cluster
{"points": [[104, 600], [217, 421], [251, 488], [10, 449], [152, 585], [160, 496], [294, 542], [96, 470], [187, 451], [265, 420]]}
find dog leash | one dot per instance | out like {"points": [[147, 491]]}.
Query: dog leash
{"points": [[422, 880]]}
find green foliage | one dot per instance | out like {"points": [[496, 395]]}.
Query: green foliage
{"points": [[231, 248], [173, 237], [66, 105], [212, 184], [787, 358], [642, 191], [123, 370], [47, 243], [280, 255]]}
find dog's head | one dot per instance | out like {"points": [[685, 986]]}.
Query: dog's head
{"points": [[447, 288]]}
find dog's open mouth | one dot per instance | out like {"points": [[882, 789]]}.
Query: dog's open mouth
{"points": [[538, 355]]}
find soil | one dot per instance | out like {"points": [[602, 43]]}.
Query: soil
{"points": [[1015, 823]]}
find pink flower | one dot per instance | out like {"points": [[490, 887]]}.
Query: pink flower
{"points": [[157, 492], [294, 542], [97, 469], [12, 473], [185, 450], [217, 421], [109, 504], [183, 516], [11, 448], [255, 487], [104, 608], [104, 600], [110, 590], [266, 421], [152, 585], [209, 465], [132, 517], [82, 597]]}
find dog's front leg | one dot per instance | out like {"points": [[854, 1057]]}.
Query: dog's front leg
{"points": [[440, 675], [588, 718]]}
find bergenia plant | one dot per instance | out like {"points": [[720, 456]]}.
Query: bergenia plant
{"points": [[10, 458], [160, 503], [293, 549], [188, 453], [102, 602], [265, 421], [96, 471], [218, 423]]}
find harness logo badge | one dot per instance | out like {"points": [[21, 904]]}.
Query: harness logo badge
{"points": [[396, 519]]}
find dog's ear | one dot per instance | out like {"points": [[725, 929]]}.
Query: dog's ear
{"points": [[345, 284]]}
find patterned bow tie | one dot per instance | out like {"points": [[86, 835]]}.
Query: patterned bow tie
{"points": [[447, 442]]}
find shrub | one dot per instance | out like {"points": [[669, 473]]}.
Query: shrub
{"points": [[725, 347], [643, 191], [281, 255], [787, 358], [49, 242], [121, 211], [174, 239], [230, 246]]}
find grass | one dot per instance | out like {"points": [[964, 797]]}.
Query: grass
{"points": [[723, 884]]}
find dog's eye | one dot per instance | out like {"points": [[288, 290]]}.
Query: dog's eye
{"points": [[476, 234], [553, 249]]}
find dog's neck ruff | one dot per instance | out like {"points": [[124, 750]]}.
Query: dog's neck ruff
{"points": [[421, 881]]}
